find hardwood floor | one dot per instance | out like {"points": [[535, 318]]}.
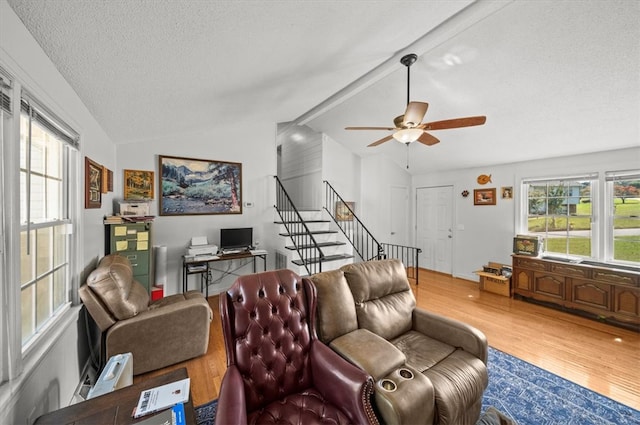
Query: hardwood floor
{"points": [[601, 357]]}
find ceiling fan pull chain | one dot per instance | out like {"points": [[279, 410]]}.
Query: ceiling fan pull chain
{"points": [[407, 154]]}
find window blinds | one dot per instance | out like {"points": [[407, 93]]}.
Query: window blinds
{"points": [[588, 176], [611, 176], [49, 120], [5, 91]]}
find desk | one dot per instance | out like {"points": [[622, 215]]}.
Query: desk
{"points": [[115, 407], [201, 265]]}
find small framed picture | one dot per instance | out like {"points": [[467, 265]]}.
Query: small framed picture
{"points": [[92, 184], [484, 196], [344, 210], [138, 185], [507, 192], [107, 180]]}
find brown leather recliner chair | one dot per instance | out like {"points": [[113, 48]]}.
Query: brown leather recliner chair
{"points": [[158, 334], [277, 370], [428, 368]]}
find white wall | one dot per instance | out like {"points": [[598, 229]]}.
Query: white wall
{"points": [[488, 230], [379, 175], [300, 165], [341, 168], [50, 378], [258, 158]]}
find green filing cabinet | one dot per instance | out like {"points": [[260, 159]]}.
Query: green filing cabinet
{"points": [[132, 240]]}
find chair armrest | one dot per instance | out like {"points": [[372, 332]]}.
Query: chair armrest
{"points": [[162, 336], [452, 332], [343, 384], [370, 352], [232, 405]]}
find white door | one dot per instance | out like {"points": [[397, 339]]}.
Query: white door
{"points": [[399, 215], [434, 222]]}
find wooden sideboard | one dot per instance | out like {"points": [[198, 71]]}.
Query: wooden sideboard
{"points": [[593, 289]]}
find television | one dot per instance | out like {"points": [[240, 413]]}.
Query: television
{"points": [[241, 238]]}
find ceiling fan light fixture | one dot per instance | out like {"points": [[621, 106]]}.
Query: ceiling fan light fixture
{"points": [[407, 135]]}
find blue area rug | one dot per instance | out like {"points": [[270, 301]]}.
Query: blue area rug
{"points": [[529, 395], [533, 396], [206, 413]]}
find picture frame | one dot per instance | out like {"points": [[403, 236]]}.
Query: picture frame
{"points": [[138, 185], [191, 186], [92, 184], [107, 180], [343, 210], [484, 196], [507, 192]]}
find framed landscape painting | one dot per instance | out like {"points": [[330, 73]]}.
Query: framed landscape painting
{"points": [[138, 185], [192, 186], [484, 196]]}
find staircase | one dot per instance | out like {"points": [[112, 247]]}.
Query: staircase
{"points": [[316, 241], [334, 249]]}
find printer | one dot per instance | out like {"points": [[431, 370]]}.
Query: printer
{"points": [[117, 373]]}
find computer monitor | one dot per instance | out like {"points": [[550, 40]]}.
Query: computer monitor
{"points": [[241, 238]]}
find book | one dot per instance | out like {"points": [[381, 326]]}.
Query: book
{"points": [[173, 416], [162, 397]]}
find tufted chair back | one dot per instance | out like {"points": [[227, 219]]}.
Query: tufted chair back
{"points": [[266, 321]]}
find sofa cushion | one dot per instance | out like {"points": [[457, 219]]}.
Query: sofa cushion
{"points": [[383, 297], [336, 310], [112, 282], [422, 352]]}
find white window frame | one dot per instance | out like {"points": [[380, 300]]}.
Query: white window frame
{"points": [[596, 230], [602, 212], [17, 361], [610, 178], [69, 139]]}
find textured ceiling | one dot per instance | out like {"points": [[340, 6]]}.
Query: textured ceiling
{"points": [[178, 66], [553, 77]]}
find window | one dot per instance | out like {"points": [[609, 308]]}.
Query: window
{"points": [[47, 154], [623, 216], [560, 210], [5, 314], [565, 212]]}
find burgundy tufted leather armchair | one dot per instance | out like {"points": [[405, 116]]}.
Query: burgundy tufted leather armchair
{"points": [[277, 369]]}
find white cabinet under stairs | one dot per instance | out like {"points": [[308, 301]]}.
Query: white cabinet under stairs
{"points": [[335, 247]]}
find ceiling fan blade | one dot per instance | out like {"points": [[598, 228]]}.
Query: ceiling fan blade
{"points": [[371, 128], [381, 141], [414, 113], [427, 139], [455, 123]]}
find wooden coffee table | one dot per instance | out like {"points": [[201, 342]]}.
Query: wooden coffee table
{"points": [[115, 407]]}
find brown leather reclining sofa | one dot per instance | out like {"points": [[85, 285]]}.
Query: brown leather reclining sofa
{"points": [[167, 331], [428, 368]]}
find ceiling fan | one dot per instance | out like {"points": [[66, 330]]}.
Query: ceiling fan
{"points": [[409, 127]]}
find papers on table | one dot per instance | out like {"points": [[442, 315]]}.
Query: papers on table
{"points": [[162, 397]]}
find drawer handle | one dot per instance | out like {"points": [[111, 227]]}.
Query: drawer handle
{"points": [[132, 257], [134, 264]]}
